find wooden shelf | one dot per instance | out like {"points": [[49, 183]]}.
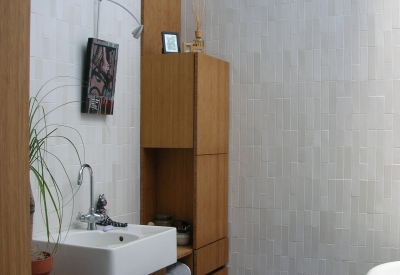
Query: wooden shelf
{"points": [[183, 251], [184, 151], [184, 140]]}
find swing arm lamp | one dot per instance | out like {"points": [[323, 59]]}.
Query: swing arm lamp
{"points": [[136, 32]]}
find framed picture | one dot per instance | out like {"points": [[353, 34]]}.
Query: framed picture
{"points": [[198, 49], [100, 75], [170, 42], [187, 47]]}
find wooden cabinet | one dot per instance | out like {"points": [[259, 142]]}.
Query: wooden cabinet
{"points": [[184, 151], [185, 102]]}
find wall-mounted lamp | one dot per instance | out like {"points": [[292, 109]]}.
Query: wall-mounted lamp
{"points": [[136, 32]]}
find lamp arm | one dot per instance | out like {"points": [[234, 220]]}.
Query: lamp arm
{"points": [[124, 9]]}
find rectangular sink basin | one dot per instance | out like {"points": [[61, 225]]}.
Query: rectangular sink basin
{"points": [[132, 250]]}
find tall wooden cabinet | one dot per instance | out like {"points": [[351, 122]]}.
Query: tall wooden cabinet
{"points": [[184, 151]]}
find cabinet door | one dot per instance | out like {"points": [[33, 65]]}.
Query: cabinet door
{"points": [[212, 105], [167, 101], [211, 199], [211, 257]]}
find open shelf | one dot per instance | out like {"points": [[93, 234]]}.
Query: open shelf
{"points": [[184, 251]]}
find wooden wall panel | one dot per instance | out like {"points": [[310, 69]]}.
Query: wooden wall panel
{"points": [[212, 103], [148, 184], [167, 101], [158, 16], [211, 199], [14, 162], [175, 183], [193, 188], [166, 184]]}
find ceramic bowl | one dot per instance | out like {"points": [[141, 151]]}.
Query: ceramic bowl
{"points": [[182, 238]]}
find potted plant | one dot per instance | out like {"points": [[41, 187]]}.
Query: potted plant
{"points": [[42, 161]]}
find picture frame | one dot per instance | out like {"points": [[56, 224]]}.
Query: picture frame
{"points": [[187, 47], [100, 75], [170, 42], [198, 49]]}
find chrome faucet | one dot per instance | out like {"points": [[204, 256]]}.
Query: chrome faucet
{"points": [[91, 218]]}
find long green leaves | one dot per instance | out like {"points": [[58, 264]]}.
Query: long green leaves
{"points": [[40, 132]]}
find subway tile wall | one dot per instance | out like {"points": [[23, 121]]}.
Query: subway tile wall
{"points": [[314, 164], [59, 33]]}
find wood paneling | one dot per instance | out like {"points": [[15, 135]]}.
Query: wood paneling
{"points": [[14, 162], [158, 16], [148, 185], [212, 103], [211, 257], [167, 97], [167, 184], [184, 140], [175, 183], [211, 199]]}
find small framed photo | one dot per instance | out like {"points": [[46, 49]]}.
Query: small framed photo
{"points": [[170, 42], [198, 49], [187, 47]]}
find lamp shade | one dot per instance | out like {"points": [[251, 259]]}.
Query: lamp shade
{"points": [[137, 32]]}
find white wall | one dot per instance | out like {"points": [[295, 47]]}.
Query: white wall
{"points": [[314, 174], [59, 33], [314, 155]]}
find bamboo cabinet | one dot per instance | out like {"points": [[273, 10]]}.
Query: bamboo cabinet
{"points": [[184, 151]]}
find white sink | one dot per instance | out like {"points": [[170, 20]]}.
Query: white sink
{"points": [[132, 250], [98, 238], [391, 268]]}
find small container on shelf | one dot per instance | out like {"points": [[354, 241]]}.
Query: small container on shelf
{"points": [[182, 232], [182, 238], [163, 220]]}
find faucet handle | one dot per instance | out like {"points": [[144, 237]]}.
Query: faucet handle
{"points": [[78, 218]]}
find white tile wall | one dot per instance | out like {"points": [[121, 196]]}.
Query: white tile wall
{"points": [[59, 33], [314, 160], [314, 168]]}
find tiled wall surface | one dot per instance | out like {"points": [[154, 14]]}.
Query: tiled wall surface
{"points": [[314, 174], [314, 156], [59, 33]]}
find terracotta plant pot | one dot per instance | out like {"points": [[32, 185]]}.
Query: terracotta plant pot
{"points": [[43, 267]]}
